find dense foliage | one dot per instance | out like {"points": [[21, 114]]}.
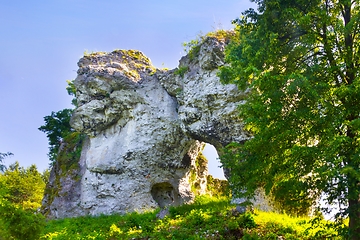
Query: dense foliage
{"points": [[299, 61], [2, 157], [21, 192], [61, 134], [57, 126], [207, 218]]}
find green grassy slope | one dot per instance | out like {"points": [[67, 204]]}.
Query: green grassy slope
{"points": [[206, 218]]}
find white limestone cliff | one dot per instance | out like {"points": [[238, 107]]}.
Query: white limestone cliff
{"points": [[145, 128]]}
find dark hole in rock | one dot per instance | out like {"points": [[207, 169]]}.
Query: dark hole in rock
{"points": [[186, 161], [163, 194]]}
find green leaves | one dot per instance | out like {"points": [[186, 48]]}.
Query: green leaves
{"points": [[22, 186], [19, 223], [57, 126], [60, 133], [2, 157], [299, 61], [21, 193], [207, 218], [71, 89]]}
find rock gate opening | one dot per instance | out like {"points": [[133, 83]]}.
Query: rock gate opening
{"points": [[214, 165], [145, 128]]}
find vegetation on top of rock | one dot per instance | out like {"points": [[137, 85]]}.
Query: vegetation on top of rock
{"points": [[135, 54], [132, 63], [192, 47], [181, 71]]}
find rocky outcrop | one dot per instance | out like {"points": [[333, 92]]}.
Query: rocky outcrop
{"points": [[207, 109], [145, 128]]}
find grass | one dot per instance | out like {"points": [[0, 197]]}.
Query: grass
{"points": [[192, 48], [206, 218], [181, 71]]}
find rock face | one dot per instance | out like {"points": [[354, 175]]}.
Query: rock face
{"points": [[145, 128]]}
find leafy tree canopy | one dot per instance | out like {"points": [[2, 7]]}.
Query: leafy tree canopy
{"points": [[57, 127], [71, 90], [2, 157], [21, 193], [299, 61], [58, 131], [22, 186]]}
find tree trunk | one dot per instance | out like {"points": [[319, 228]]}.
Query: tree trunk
{"points": [[354, 217]]}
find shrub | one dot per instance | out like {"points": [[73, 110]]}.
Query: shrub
{"points": [[247, 221], [19, 223], [192, 48], [181, 71]]}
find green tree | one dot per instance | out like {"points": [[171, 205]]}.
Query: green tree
{"points": [[57, 127], [2, 157], [18, 223], [21, 193], [58, 130], [22, 186], [299, 61], [71, 89], [62, 135]]}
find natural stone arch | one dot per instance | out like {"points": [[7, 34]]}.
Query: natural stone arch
{"points": [[214, 165], [145, 128]]}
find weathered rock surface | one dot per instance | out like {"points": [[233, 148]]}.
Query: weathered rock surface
{"points": [[145, 128], [207, 109]]}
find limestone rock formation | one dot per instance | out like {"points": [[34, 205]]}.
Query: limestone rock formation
{"points": [[207, 108], [145, 128]]}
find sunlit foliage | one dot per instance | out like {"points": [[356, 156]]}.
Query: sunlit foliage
{"points": [[299, 62]]}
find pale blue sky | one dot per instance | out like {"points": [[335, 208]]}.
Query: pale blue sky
{"points": [[41, 42]]}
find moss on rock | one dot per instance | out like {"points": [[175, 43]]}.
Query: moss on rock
{"points": [[65, 167]]}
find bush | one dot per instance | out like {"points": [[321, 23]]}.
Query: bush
{"points": [[247, 221], [19, 223], [181, 71]]}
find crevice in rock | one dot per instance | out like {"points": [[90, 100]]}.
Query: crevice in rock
{"points": [[164, 194], [186, 161]]}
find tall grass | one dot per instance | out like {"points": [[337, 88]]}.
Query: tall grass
{"points": [[206, 218]]}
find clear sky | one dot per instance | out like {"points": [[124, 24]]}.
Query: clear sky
{"points": [[41, 42]]}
